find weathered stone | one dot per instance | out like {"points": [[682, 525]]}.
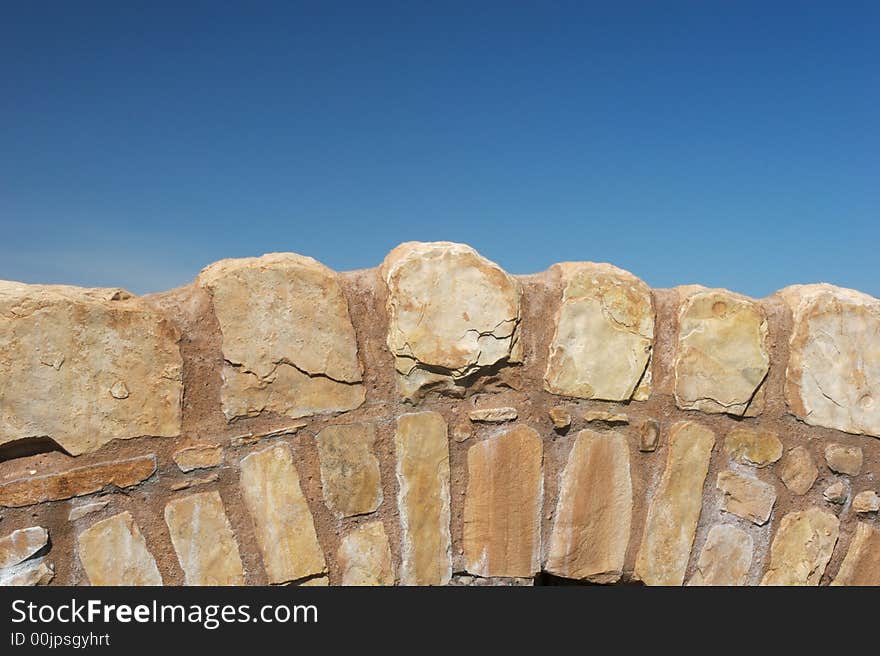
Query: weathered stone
{"points": [[866, 502], [349, 471], [675, 508], [725, 558], [423, 499], [28, 573], [560, 417], [593, 510], [493, 415], [502, 508], [835, 493], [798, 471], [78, 512], [463, 580], [453, 315], [861, 565], [77, 482], [365, 556], [833, 374], [802, 548], [20, 545], [749, 498], [113, 552], [649, 436], [722, 357], [605, 417], [67, 354], [194, 482], [284, 526], [601, 348], [844, 459], [288, 342], [203, 540], [757, 448], [198, 456]]}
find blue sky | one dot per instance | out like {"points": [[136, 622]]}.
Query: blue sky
{"points": [[732, 144]]}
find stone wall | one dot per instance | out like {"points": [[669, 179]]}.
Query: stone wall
{"points": [[437, 421]]}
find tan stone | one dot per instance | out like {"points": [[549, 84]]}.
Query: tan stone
{"points": [[593, 510], [349, 470], [749, 498], [672, 518], [452, 314], [601, 348], [866, 502], [649, 436], [835, 493], [844, 459], [85, 366], [833, 374], [722, 357], [198, 456], [492, 415], [288, 342], [315, 582], [77, 482], [757, 448], [29, 573], [502, 508], [798, 471], [113, 552], [802, 548], [203, 540], [20, 545], [284, 526], [194, 482], [560, 417], [605, 417], [365, 556], [726, 557], [861, 565], [463, 580], [78, 512], [422, 456]]}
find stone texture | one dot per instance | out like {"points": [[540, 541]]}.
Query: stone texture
{"points": [[20, 545], [113, 552], [349, 471], [835, 493], [463, 580], [29, 573], [452, 314], [798, 471], [300, 357], [502, 508], [77, 482], [284, 527], [757, 448], [605, 417], [493, 415], [802, 548], [194, 482], [844, 459], [109, 364], [198, 456], [422, 456], [833, 374], [649, 436], [861, 565], [866, 502], [601, 348], [675, 507], [203, 540], [722, 357], [365, 556], [78, 512], [560, 417], [749, 498], [725, 558], [593, 510]]}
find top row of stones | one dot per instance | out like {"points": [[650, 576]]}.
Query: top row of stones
{"points": [[111, 365]]}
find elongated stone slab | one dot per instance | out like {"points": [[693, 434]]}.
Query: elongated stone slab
{"points": [[802, 548], [502, 508], [725, 558], [203, 540], [20, 545], [746, 497], [422, 452], [113, 552], [593, 511], [284, 526], [198, 456], [861, 565], [365, 556], [675, 508], [350, 475]]}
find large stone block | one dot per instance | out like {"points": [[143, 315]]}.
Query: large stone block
{"points": [[364, 556], [350, 474], [114, 552], [802, 548], [861, 565], [725, 558]]}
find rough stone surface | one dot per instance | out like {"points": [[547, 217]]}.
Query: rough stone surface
{"points": [[844, 459], [463, 580], [605, 417], [20, 545], [452, 315], [833, 374], [365, 556], [802, 548], [113, 552], [798, 471], [300, 358], [725, 558], [722, 356], [29, 573], [861, 565], [349, 471], [502, 509], [422, 458], [601, 348], [203, 540], [757, 448], [835, 493], [198, 456], [284, 526], [560, 417], [110, 366], [749, 498], [649, 436], [675, 507], [78, 512], [866, 502], [493, 415], [594, 510]]}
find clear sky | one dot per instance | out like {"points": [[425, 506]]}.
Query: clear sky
{"points": [[732, 144]]}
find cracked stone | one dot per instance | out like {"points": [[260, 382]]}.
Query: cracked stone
{"points": [[198, 456], [350, 475], [756, 448], [866, 502], [29, 573], [749, 498], [114, 552], [844, 459], [365, 556], [20, 545], [802, 548], [861, 565], [725, 559], [493, 415], [798, 471]]}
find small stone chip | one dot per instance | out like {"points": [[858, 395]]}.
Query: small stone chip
{"points": [[198, 456], [649, 436], [86, 509], [866, 502], [560, 417], [605, 417], [493, 415]]}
